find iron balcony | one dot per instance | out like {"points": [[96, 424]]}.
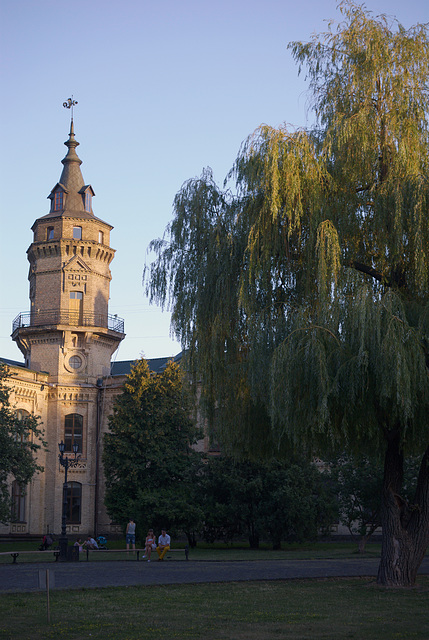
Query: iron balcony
{"points": [[68, 318]]}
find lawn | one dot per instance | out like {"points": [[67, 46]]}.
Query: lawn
{"points": [[300, 609]]}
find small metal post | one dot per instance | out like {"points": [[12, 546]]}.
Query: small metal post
{"points": [[63, 541], [48, 610]]}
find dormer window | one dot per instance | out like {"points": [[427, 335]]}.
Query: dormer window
{"points": [[87, 192], [88, 200], [77, 233], [58, 200], [50, 233]]}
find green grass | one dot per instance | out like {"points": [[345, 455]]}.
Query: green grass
{"points": [[331, 609], [315, 551], [217, 552]]}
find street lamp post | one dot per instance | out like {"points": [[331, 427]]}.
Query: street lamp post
{"points": [[65, 462]]}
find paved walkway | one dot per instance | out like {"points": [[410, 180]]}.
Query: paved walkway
{"points": [[75, 575]]}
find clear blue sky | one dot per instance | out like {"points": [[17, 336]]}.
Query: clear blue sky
{"points": [[164, 88]]}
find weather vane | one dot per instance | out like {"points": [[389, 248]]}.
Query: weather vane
{"points": [[69, 104]]}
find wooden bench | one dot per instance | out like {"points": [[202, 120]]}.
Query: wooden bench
{"points": [[56, 552], [185, 550], [136, 551], [16, 554]]}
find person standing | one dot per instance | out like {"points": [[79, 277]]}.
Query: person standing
{"points": [[163, 544], [130, 534]]}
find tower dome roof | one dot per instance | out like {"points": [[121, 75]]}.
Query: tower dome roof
{"points": [[77, 196]]}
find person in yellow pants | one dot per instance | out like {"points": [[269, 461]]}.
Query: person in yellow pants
{"points": [[163, 544]]}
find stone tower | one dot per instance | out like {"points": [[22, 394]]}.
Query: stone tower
{"points": [[67, 339], [68, 331]]}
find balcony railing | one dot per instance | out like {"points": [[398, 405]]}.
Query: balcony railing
{"points": [[68, 318]]}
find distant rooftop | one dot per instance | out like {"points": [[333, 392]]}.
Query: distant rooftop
{"points": [[156, 365], [120, 368], [13, 363]]}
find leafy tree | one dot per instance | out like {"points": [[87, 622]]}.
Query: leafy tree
{"points": [[304, 293], [245, 499], [20, 439], [358, 481], [147, 457], [278, 500], [215, 490], [298, 502]]}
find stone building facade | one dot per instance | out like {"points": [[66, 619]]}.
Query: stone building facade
{"points": [[67, 340]]}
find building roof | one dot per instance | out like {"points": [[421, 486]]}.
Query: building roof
{"points": [[120, 368], [156, 365], [73, 185], [12, 363]]}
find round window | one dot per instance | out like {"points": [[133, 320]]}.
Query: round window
{"points": [[75, 362]]}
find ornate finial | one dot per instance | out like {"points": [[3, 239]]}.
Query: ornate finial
{"points": [[69, 104]]}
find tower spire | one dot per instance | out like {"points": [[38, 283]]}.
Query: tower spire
{"points": [[71, 177], [71, 144]]}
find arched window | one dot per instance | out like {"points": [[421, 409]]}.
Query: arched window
{"points": [[18, 502], [74, 500], [21, 414], [73, 432]]}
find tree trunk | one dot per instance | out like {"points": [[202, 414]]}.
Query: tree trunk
{"points": [[362, 544], [405, 527], [254, 541], [366, 536]]}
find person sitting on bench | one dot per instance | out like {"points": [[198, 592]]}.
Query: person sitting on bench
{"points": [[163, 544], [90, 543], [46, 542]]}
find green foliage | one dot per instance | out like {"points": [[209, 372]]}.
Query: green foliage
{"points": [[276, 500], [148, 459], [20, 439], [315, 271], [299, 502], [357, 482], [359, 379]]}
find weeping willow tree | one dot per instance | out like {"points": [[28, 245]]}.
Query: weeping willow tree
{"points": [[302, 293]]}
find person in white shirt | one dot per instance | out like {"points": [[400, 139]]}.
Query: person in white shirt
{"points": [[91, 543], [163, 544]]}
